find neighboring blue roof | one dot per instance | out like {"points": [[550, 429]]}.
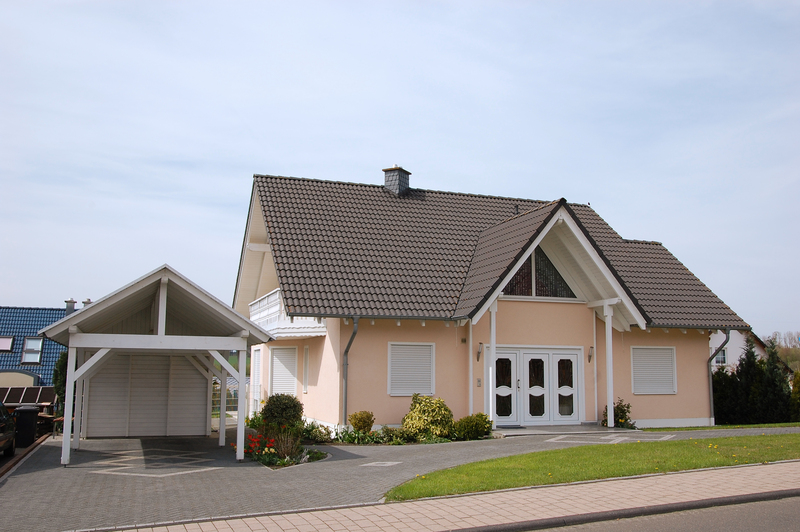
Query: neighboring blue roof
{"points": [[22, 322]]}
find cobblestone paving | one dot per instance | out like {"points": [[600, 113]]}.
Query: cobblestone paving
{"points": [[140, 481]]}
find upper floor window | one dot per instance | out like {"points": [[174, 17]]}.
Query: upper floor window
{"points": [[32, 352], [721, 359], [540, 275], [6, 342]]}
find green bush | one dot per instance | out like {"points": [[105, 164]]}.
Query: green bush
{"points": [[282, 409], [317, 433], [428, 417], [396, 436], [622, 415], [362, 421], [472, 427]]}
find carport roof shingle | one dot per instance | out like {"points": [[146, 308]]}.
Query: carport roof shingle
{"points": [[348, 249]]}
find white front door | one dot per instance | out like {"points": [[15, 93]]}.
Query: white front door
{"points": [[536, 387]]}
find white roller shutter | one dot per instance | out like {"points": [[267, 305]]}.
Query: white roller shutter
{"points": [[283, 374], [411, 369], [653, 370]]}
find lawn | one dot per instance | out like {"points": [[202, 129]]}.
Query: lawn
{"points": [[593, 462]]}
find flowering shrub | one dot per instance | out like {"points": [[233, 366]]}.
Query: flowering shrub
{"points": [[622, 415], [261, 449]]}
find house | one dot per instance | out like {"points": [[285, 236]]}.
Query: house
{"points": [[534, 312], [142, 361], [730, 354], [26, 359]]}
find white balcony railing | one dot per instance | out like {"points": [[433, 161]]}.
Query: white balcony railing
{"points": [[269, 313]]}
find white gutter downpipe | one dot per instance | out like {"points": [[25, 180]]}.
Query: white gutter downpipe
{"points": [[344, 371], [710, 374], [608, 313]]}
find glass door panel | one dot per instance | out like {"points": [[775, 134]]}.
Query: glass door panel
{"points": [[535, 387], [564, 377], [505, 388]]}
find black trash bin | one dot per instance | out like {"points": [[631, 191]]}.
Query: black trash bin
{"points": [[27, 417]]}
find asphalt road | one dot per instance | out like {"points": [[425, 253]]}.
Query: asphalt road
{"points": [[769, 516]]}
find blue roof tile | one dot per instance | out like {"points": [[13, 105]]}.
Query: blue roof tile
{"points": [[21, 323]]}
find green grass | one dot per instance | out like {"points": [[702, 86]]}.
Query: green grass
{"points": [[599, 461], [718, 427]]}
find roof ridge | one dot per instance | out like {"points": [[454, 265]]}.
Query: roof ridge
{"points": [[372, 185], [637, 241], [32, 308]]}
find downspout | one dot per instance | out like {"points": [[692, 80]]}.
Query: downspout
{"points": [[344, 371], [711, 371]]}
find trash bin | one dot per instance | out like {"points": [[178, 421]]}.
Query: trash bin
{"points": [[27, 417]]}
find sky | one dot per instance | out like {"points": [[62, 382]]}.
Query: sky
{"points": [[130, 131]]}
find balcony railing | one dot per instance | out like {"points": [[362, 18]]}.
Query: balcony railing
{"points": [[269, 313]]}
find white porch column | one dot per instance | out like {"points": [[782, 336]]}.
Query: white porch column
{"points": [[223, 396], [608, 313], [242, 404], [492, 362], [77, 426], [68, 402]]}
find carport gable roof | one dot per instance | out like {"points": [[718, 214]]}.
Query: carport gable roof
{"points": [[190, 311]]}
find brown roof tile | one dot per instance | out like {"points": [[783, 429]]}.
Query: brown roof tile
{"points": [[358, 250]]}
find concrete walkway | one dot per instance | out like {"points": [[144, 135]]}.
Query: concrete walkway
{"points": [[128, 483], [535, 508]]}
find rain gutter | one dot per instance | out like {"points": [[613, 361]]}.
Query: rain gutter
{"points": [[711, 371], [344, 370]]}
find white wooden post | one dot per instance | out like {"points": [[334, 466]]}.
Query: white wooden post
{"points": [[492, 362], [608, 313], [76, 426], [223, 396], [241, 405], [68, 402]]}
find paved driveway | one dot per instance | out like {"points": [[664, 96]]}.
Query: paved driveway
{"points": [[139, 481]]}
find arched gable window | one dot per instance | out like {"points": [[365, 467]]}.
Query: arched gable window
{"points": [[543, 277]]}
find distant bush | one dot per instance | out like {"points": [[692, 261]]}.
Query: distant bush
{"points": [[282, 409], [362, 421], [428, 417], [317, 433], [472, 427]]}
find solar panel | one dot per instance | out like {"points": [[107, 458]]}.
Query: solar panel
{"points": [[31, 395], [3, 393], [14, 395], [48, 395]]}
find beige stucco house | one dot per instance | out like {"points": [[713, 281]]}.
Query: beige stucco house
{"points": [[536, 313]]}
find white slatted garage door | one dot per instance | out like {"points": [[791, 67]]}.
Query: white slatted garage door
{"points": [[147, 395]]}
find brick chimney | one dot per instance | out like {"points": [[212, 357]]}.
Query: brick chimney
{"points": [[396, 180]]}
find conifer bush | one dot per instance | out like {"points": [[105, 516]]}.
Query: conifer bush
{"points": [[362, 421], [472, 427]]}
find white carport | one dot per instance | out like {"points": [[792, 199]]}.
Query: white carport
{"points": [[142, 360]]}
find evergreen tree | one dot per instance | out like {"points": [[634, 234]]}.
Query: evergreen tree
{"points": [[725, 388], [60, 377], [774, 397], [794, 407], [749, 376]]}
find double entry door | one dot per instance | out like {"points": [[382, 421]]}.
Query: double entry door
{"points": [[536, 386]]}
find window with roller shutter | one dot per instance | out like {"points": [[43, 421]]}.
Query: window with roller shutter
{"points": [[283, 373], [411, 369], [653, 370]]}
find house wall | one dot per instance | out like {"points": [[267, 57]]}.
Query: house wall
{"points": [[735, 347], [369, 366], [689, 406]]}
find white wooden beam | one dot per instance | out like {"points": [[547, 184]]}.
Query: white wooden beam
{"points": [[162, 307], [153, 342], [223, 407], [242, 397], [226, 366], [259, 248], [81, 372], [214, 371], [608, 314], [202, 369], [68, 401]]}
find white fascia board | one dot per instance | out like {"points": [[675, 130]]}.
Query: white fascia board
{"points": [[517, 266], [245, 240], [155, 342], [601, 265], [64, 323]]}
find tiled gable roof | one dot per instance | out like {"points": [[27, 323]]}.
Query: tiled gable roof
{"points": [[23, 322], [499, 247], [347, 249]]}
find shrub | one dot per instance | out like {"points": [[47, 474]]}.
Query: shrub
{"points": [[317, 433], [396, 436], [428, 417], [286, 439], [622, 415], [282, 409], [472, 427], [362, 421], [795, 404]]}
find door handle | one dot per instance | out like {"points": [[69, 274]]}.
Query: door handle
{"points": [[517, 384]]}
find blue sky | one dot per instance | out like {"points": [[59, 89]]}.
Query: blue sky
{"points": [[130, 131]]}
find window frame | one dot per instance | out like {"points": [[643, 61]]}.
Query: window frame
{"points": [[674, 363], [391, 357], [26, 351], [724, 354], [271, 389], [10, 343]]}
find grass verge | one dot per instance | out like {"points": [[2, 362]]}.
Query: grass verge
{"points": [[722, 427], [593, 462]]}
